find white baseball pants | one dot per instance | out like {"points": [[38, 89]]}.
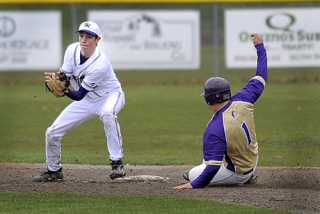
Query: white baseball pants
{"points": [[223, 177], [78, 112]]}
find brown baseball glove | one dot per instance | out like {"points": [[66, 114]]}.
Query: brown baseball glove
{"points": [[57, 83]]}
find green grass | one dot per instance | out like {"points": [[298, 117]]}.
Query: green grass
{"points": [[287, 125], [73, 203], [162, 124]]}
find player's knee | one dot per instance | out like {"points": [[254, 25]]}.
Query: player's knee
{"points": [[51, 135], [109, 119], [108, 116]]}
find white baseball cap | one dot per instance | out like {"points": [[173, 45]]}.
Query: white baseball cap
{"points": [[89, 27]]}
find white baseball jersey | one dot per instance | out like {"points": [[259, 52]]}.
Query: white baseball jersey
{"points": [[96, 75], [97, 70]]}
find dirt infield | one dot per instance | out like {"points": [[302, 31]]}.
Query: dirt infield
{"points": [[295, 189]]}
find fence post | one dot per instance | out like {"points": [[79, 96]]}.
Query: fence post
{"points": [[215, 40], [74, 21]]}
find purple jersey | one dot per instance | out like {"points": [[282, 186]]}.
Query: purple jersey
{"points": [[230, 136]]}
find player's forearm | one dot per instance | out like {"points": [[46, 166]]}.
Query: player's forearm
{"points": [[206, 176], [262, 62], [77, 95]]}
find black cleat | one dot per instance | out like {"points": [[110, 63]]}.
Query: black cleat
{"points": [[49, 176], [185, 175], [117, 170], [251, 180]]}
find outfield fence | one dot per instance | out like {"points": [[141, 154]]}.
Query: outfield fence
{"points": [[221, 32]]}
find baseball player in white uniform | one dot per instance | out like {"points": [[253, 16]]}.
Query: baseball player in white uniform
{"points": [[97, 93]]}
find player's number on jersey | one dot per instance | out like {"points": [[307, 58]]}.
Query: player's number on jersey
{"points": [[246, 131]]}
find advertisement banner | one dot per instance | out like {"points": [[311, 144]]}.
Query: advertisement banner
{"points": [[291, 36], [150, 39], [30, 40]]}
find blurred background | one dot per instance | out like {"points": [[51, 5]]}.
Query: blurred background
{"points": [[212, 37]]}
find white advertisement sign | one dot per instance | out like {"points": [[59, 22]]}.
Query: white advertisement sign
{"points": [[149, 39], [30, 40], [291, 36]]}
